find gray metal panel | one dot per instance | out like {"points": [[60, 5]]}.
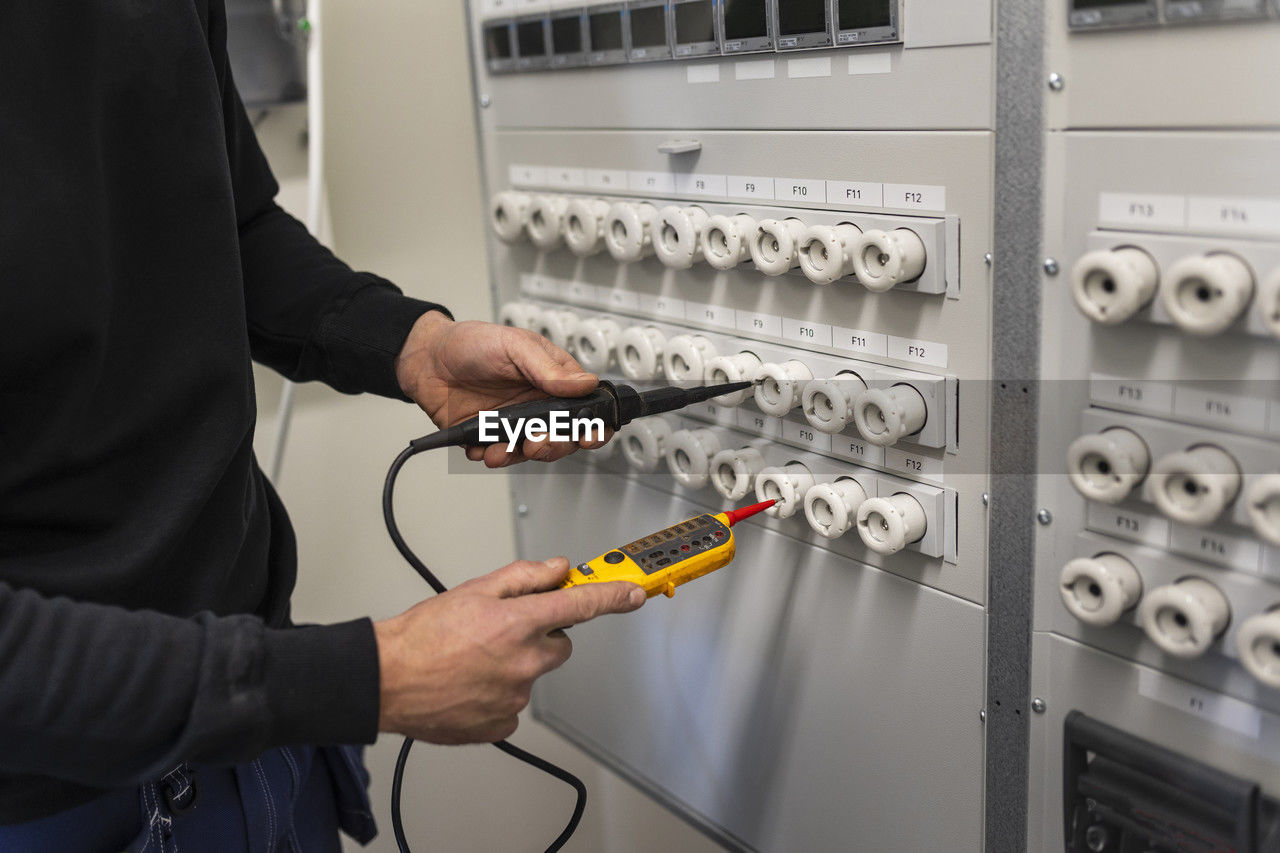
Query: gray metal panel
{"points": [[660, 94], [1173, 76], [1015, 399], [796, 700], [1069, 676]]}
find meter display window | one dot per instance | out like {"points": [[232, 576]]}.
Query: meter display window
{"points": [[746, 25], [802, 23], [695, 22], [1110, 13], [864, 14], [566, 35], [497, 42], [606, 31], [649, 27], [800, 17], [530, 39], [695, 26]]}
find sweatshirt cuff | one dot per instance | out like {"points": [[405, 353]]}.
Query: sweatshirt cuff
{"points": [[364, 339], [322, 684]]}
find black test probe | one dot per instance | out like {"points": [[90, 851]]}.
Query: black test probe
{"points": [[615, 405]]}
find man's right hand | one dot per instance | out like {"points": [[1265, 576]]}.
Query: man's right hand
{"points": [[458, 667]]}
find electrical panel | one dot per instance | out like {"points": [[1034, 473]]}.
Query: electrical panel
{"points": [[938, 233], [1156, 644], [709, 191]]}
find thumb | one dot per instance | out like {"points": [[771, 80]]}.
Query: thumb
{"points": [[524, 577], [549, 368]]}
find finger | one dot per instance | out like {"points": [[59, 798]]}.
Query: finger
{"points": [[556, 648], [524, 577], [549, 368], [561, 608], [594, 444], [547, 451], [496, 456], [475, 454]]}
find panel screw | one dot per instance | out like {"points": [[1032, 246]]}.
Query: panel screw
{"points": [[484, 101], [1056, 82], [1037, 705], [522, 510], [986, 259], [986, 499], [1044, 516], [982, 715], [1051, 266], [1095, 838]]}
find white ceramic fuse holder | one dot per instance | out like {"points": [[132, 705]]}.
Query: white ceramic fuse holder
{"points": [[509, 211], [886, 415], [887, 525], [1111, 285], [644, 443], [828, 403], [832, 508], [639, 352], [520, 315], [787, 485], [726, 240], [826, 252], [685, 358], [781, 386], [1263, 504], [584, 220], [1196, 485], [558, 327], [593, 343], [689, 455], [677, 236], [627, 231], [775, 247], [743, 367], [1106, 466], [882, 260], [1186, 617], [1098, 590], [1205, 294], [734, 472], [546, 221], [1258, 643]]}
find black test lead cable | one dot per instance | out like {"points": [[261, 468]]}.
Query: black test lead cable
{"points": [[397, 782], [616, 405]]}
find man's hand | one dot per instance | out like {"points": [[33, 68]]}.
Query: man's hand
{"points": [[455, 370], [459, 667]]}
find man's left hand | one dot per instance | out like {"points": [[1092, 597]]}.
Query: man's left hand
{"points": [[454, 370]]}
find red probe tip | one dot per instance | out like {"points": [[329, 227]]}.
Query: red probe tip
{"points": [[736, 515]]}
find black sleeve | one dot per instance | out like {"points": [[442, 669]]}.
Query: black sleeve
{"points": [[218, 689], [310, 315]]}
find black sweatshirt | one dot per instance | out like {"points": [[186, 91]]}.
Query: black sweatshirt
{"points": [[145, 563]]}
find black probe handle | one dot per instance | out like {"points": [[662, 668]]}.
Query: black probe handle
{"points": [[601, 403]]}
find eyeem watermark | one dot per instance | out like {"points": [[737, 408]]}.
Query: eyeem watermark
{"points": [[560, 427]]}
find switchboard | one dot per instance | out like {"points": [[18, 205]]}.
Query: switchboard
{"points": [[1008, 279], [1158, 577], [697, 191]]}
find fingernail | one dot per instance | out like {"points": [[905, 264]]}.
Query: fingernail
{"points": [[636, 598], [583, 375]]}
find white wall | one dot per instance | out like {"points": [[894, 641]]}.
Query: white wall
{"points": [[406, 203]]}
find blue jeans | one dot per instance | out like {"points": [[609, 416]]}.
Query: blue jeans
{"points": [[287, 800]]}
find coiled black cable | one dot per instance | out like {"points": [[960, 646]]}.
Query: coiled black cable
{"points": [[397, 782]]}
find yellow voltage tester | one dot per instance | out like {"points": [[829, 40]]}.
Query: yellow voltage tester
{"points": [[662, 561]]}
